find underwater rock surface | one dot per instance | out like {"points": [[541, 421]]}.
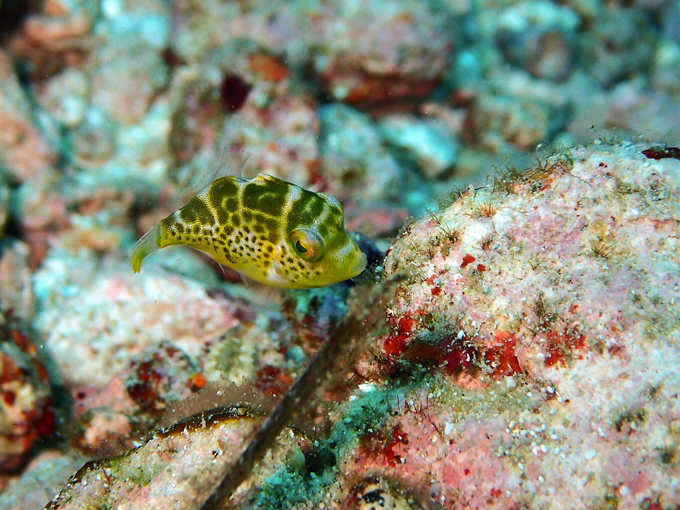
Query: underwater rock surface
{"points": [[24, 151], [549, 304], [152, 341], [26, 413], [530, 355], [176, 468]]}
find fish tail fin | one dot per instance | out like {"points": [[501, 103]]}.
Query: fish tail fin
{"points": [[148, 243]]}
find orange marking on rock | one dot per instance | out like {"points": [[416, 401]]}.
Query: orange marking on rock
{"points": [[467, 260], [502, 357], [268, 67]]}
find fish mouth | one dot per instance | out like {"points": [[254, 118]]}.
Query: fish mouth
{"points": [[359, 264]]}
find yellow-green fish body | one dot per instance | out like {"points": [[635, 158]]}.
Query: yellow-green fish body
{"points": [[270, 230]]}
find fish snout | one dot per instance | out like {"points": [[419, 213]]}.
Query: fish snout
{"points": [[359, 263]]}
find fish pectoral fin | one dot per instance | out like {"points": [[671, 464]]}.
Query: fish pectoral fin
{"points": [[276, 254], [277, 267]]}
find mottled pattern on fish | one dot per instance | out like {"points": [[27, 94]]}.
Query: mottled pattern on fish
{"points": [[270, 230]]}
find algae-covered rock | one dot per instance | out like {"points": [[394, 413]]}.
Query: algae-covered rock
{"points": [[178, 467], [429, 144], [24, 150], [128, 315], [26, 413], [4, 206], [356, 167], [42, 479], [382, 51], [546, 303]]}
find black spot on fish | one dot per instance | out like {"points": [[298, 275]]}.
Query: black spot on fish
{"points": [[231, 205], [196, 210], [305, 211], [269, 199]]}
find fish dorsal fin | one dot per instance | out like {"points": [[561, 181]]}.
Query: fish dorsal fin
{"points": [[266, 179], [231, 163], [203, 182]]}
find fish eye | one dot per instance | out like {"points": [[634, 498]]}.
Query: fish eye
{"points": [[307, 244]]}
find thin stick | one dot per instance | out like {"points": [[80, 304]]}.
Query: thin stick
{"points": [[343, 345]]}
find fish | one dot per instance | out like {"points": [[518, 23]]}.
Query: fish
{"points": [[270, 230]]}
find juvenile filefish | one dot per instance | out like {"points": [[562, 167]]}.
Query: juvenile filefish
{"points": [[265, 228]]}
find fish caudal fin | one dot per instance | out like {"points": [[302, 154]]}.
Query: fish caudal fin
{"points": [[147, 243]]}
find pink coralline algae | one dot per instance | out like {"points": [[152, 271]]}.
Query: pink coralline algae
{"points": [[134, 400], [24, 150], [157, 340], [558, 362], [243, 96], [131, 318], [383, 51], [26, 414]]}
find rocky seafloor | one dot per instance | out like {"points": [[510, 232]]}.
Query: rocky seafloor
{"points": [[524, 350]]}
